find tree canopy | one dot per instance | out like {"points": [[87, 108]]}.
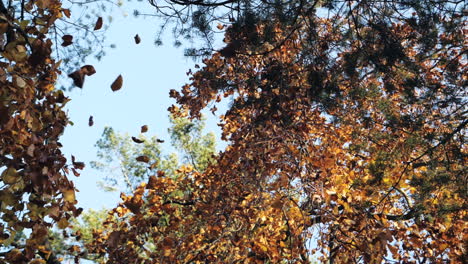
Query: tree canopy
{"points": [[346, 130]]}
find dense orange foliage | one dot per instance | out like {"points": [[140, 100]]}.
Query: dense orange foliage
{"points": [[34, 192], [351, 148]]}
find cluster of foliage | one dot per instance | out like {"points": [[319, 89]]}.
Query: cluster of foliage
{"points": [[34, 190], [118, 155], [347, 129]]}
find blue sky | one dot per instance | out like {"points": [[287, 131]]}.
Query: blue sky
{"points": [[149, 72]]}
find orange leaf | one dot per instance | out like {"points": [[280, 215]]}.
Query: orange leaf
{"points": [[143, 159]]}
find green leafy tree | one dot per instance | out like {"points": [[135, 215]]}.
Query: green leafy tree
{"points": [[128, 160]]}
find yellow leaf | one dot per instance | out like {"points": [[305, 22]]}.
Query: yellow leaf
{"points": [[63, 223], [69, 196], [10, 175]]}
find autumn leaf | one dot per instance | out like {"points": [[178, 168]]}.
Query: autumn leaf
{"points": [[98, 24], [143, 159], [136, 140], [63, 223], [90, 121], [88, 70], [69, 196], [117, 84], [77, 164], [159, 140], [144, 129], [67, 40], [78, 78], [137, 39], [10, 175], [66, 12]]}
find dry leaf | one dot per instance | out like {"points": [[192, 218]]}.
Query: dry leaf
{"points": [[67, 40], [78, 78], [136, 140], [117, 84], [143, 159], [90, 121], [137, 39], [88, 70], [98, 24]]}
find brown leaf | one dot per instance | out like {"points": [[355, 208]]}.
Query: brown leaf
{"points": [[137, 140], [113, 239], [117, 84], [88, 70], [137, 39], [143, 159], [159, 140], [77, 164], [30, 150], [75, 172], [144, 129], [90, 121], [98, 24], [67, 40], [152, 182], [66, 12], [78, 78]]}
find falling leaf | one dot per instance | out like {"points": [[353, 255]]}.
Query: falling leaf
{"points": [[67, 40], [144, 129], [143, 159], [77, 164], [159, 140], [78, 78], [66, 12], [98, 24], [137, 39], [88, 70], [137, 140], [117, 84], [90, 121]]}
